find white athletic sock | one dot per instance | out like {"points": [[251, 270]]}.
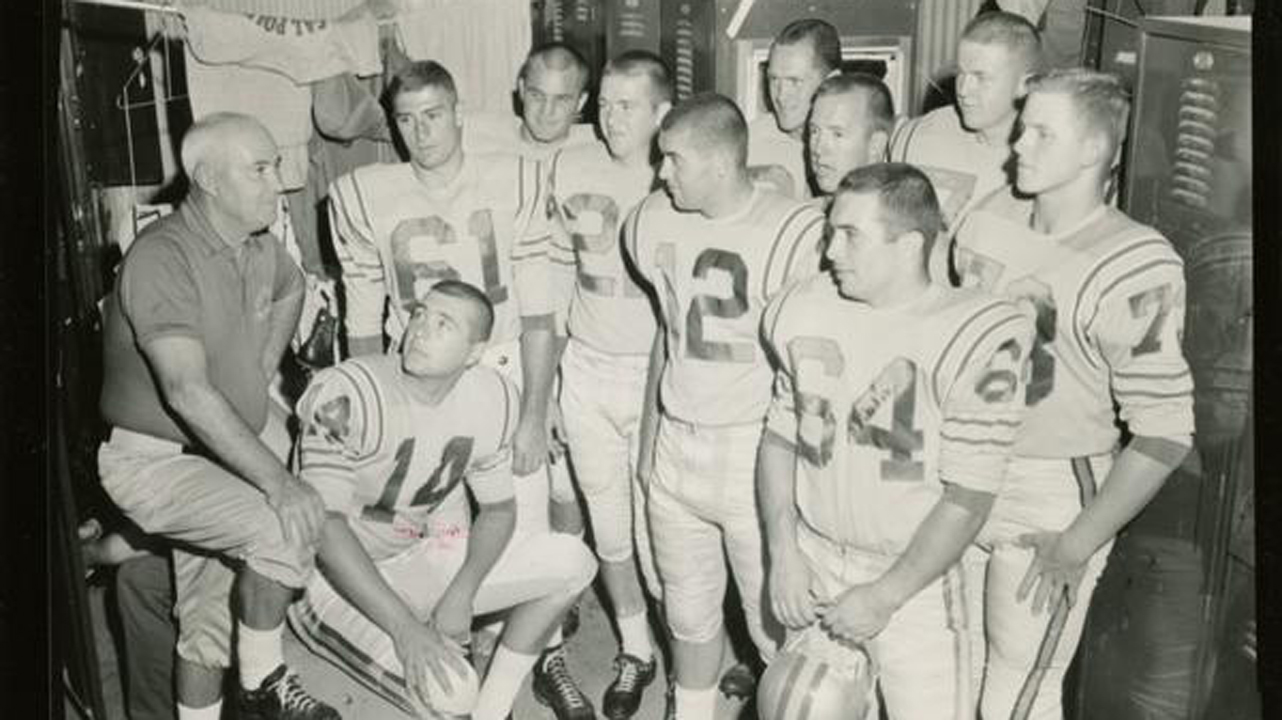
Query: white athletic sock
{"points": [[634, 634], [696, 704], [502, 683], [259, 652], [209, 712]]}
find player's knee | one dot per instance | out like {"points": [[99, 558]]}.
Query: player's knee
{"points": [[287, 564], [575, 566], [689, 622]]}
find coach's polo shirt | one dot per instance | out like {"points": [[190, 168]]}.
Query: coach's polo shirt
{"points": [[181, 278]]}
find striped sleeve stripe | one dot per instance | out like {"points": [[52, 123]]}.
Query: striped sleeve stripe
{"points": [[772, 330], [362, 205], [341, 194], [1170, 395], [967, 326], [370, 419], [528, 256], [1079, 328], [632, 237], [775, 244], [315, 446], [1132, 375], [986, 421]]}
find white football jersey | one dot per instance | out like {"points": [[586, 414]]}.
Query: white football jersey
{"points": [[962, 167], [591, 195], [883, 405], [1109, 300], [395, 466], [713, 277], [777, 159], [396, 238]]}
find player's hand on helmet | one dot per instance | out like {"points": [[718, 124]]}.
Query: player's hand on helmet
{"points": [[422, 649], [452, 617], [529, 445], [859, 614], [300, 510], [794, 593], [1055, 571]]}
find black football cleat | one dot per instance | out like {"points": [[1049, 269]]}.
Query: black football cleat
{"points": [[631, 677], [554, 687], [282, 697]]}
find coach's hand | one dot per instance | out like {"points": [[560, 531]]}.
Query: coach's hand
{"points": [[422, 650], [529, 445], [793, 591], [1057, 568], [300, 510], [859, 615]]}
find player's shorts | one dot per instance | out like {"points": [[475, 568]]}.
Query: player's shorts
{"points": [[535, 567], [1039, 494], [601, 398], [703, 494], [532, 491], [924, 653], [220, 518]]}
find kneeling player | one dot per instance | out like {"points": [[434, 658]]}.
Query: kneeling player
{"points": [[388, 443], [881, 459]]}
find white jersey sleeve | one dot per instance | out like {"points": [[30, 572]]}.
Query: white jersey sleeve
{"points": [[341, 429], [358, 254]]}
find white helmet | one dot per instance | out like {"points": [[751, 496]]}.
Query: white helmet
{"points": [[817, 677]]}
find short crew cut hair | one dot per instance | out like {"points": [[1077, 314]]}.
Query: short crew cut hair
{"points": [[557, 56], [418, 75], [1008, 30], [821, 35], [467, 291], [907, 198], [714, 120], [1102, 101], [879, 107], [203, 141], [647, 64]]}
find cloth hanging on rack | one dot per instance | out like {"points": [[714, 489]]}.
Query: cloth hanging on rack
{"points": [[282, 106], [481, 42], [302, 50], [300, 9]]}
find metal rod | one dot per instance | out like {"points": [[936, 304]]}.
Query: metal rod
{"points": [[134, 5]]}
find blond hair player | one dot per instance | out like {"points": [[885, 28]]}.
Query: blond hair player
{"points": [[611, 329], [1108, 294]]}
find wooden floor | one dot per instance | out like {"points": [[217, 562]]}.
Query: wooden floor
{"points": [[591, 651]]}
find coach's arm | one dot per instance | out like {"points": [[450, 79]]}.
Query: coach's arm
{"points": [[179, 364]]}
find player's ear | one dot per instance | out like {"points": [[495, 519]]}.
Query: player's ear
{"points": [[661, 111], [1096, 151], [476, 352], [878, 146], [205, 176]]}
